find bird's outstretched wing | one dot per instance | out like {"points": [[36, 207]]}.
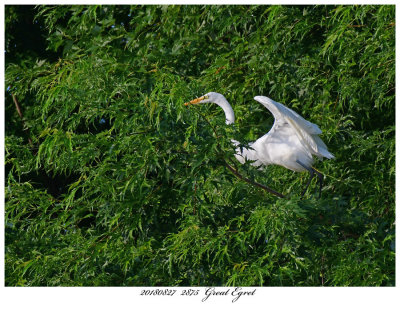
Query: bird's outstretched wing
{"points": [[306, 131]]}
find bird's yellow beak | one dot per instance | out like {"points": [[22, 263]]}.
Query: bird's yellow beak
{"points": [[195, 101]]}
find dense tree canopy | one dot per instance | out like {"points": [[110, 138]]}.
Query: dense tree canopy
{"points": [[111, 180]]}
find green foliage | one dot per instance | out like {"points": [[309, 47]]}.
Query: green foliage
{"points": [[124, 185]]}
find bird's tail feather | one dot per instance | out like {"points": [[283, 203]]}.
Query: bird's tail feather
{"points": [[322, 148]]}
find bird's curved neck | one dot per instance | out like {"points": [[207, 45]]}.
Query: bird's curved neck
{"points": [[229, 114]]}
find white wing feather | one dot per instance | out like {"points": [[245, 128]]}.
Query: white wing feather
{"points": [[306, 131]]}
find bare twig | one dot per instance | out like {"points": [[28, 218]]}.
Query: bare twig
{"points": [[237, 174], [356, 26], [18, 108]]}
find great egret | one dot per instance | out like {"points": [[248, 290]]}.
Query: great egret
{"points": [[292, 141]]}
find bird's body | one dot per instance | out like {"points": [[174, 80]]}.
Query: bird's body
{"points": [[292, 141]]}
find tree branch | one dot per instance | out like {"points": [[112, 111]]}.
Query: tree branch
{"points": [[237, 174], [17, 106]]}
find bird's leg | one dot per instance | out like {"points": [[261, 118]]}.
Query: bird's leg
{"points": [[321, 180], [308, 183], [311, 171]]}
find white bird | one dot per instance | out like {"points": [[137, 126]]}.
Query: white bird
{"points": [[292, 141]]}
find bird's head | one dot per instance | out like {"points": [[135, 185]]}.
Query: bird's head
{"points": [[219, 99], [212, 97]]}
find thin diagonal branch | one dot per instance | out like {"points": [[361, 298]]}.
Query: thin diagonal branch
{"points": [[237, 174], [18, 108]]}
